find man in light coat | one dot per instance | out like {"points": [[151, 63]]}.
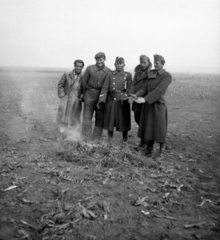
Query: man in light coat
{"points": [[70, 93]]}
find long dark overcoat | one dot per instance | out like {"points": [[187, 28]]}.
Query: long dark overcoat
{"points": [[138, 82], [70, 108], [114, 92], [153, 122]]}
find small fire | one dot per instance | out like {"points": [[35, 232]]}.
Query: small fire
{"points": [[71, 133]]}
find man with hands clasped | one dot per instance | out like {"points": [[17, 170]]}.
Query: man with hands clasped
{"points": [[153, 121], [114, 95]]}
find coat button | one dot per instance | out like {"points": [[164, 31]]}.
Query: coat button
{"points": [[114, 99]]}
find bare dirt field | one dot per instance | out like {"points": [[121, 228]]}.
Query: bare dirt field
{"points": [[64, 190]]}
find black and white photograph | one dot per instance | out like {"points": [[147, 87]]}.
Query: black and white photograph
{"points": [[109, 119]]}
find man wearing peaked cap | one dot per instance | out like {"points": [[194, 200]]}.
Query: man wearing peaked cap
{"points": [[153, 122], [119, 60], [92, 82], [114, 95], [140, 78]]}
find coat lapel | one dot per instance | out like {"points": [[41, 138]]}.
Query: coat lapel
{"points": [[70, 78], [141, 76], [73, 78], [152, 75]]}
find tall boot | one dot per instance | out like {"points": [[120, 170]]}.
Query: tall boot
{"points": [[141, 145], [125, 136], [150, 146], [110, 136], [162, 148]]}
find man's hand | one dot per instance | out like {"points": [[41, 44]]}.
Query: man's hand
{"points": [[140, 100], [131, 98], [124, 97], [100, 105], [81, 99]]}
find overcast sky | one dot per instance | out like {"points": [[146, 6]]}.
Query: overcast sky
{"points": [[53, 33]]}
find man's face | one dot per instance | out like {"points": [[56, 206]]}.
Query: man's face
{"points": [[119, 66], [78, 67], [144, 64], [158, 65], [100, 62]]}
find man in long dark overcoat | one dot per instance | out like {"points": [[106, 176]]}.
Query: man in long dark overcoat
{"points": [[140, 78], [69, 92], [114, 94], [153, 122], [92, 82]]}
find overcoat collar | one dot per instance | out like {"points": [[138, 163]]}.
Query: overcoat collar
{"points": [[116, 72], [98, 69], [73, 76], [142, 74], [154, 73], [161, 71]]}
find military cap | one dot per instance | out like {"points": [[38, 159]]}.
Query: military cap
{"points": [[144, 57], [100, 55], [159, 58], [119, 60]]}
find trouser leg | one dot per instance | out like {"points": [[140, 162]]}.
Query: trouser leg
{"points": [[76, 117], [149, 150], [137, 116], [99, 118], [87, 119]]}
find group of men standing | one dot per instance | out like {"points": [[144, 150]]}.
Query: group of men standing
{"points": [[108, 94]]}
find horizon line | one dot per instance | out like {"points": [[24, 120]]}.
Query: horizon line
{"points": [[29, 68]]}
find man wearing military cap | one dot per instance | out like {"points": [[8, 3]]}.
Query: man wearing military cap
{"points": [[153, 121], [140, 78], [92, 82], [114, 95]]}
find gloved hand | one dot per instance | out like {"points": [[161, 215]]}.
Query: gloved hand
{"points": [[100, 105]]}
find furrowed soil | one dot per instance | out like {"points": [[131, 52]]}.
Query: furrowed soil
{"points": [[53, 188]]}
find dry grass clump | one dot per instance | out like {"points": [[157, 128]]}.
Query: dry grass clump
{"points": [[99, 154]]}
